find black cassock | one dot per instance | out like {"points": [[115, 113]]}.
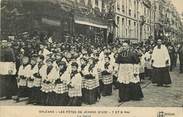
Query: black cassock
{"points": [[8, 83], [129, 82]]}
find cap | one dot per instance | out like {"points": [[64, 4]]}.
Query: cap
{"points": [[4, 41], [49, 60], [60, 62], [74, 64]]}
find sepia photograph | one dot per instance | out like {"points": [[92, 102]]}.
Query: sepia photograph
{"points": [[113, 54]]}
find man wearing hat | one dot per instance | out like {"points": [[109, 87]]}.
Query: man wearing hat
{"points": [[8, 85]]}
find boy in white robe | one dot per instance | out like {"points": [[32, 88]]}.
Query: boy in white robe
{"points": [[148, 67], [61, 88], [30, 83], [161, 63], [91, 82], [75, 86], [49, 74], [107, 78], [38, 80], [23, 75]]}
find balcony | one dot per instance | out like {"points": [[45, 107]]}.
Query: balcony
{"points": [[88, 15]]}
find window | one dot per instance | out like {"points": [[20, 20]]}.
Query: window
{"points": [[96, 2], [135, 30], [123, 21], [130, 3], [123, 27], [145, 11], [118, 18], [89, 3], [129, 22], [123, 8], [103, 5], [130, 12], [135, 3], [118, 30], [118, 6], [82, 2]]}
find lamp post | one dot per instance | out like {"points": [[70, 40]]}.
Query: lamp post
{"points": [[142, 22]]}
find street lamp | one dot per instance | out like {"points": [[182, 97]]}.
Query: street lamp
{"points": [[142, 22]]}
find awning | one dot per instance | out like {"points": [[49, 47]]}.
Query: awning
{"points": [[51, 22], [90, 24]]}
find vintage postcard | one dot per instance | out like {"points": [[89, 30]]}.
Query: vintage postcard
{"points": [[88, 58]]}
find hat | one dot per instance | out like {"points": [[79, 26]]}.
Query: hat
{"points": [[34, 55], [4, 41], [84, 51], [41, 57], [91, 58], [125, 44], [74, 64], [83, 58], [49, 60], [60, 62], [50, 54]]}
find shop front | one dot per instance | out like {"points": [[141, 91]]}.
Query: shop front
{"points": [[95, 29], [54, 19]]}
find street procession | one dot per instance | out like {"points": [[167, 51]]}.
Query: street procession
{"points": [[80, 52]]}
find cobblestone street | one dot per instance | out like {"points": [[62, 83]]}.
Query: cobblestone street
{"points": [[153, 96]]}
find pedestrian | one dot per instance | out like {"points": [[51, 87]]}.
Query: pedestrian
{"points": [[128, 75], [142, 63], [171, 51], [161, 63], [180, 52], [148, 67]]}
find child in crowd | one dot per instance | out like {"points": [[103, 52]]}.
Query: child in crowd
{"points": [[23, 76], [75, 86]]}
